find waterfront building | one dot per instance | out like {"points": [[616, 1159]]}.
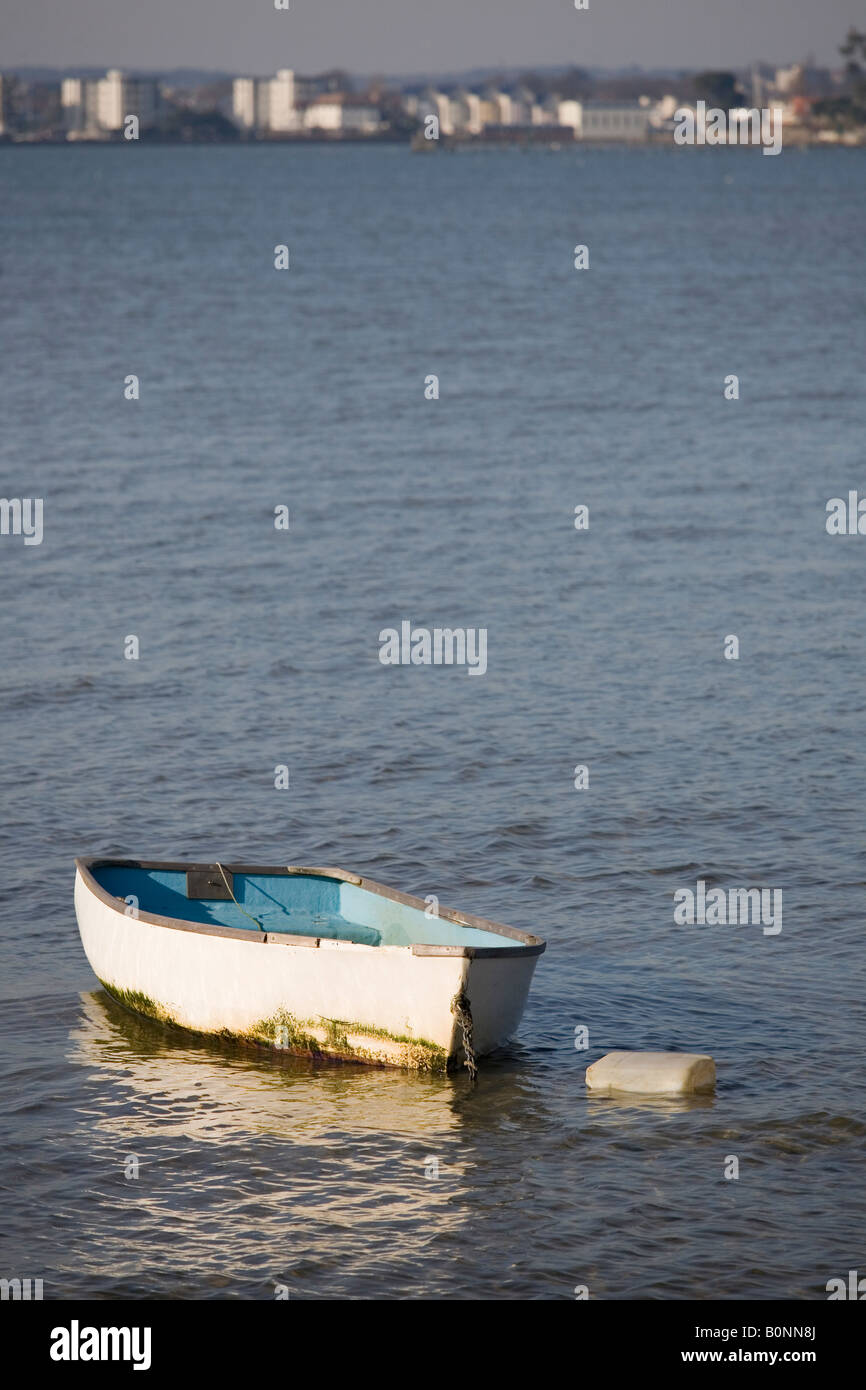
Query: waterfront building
{"points": [[96, 106], [605, 120], [342, 113]]}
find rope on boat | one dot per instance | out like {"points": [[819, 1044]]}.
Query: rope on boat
{"points": [[460, 1006], [234, 899]]}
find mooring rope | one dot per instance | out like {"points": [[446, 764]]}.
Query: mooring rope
{"points": [[235, 901], [460, 1006]]}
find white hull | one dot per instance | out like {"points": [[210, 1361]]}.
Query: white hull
{"points": [[387, 1004]]}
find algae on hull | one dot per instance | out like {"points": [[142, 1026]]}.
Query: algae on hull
{"points": [[136, 1001], [337, 1037], [322, 1037]]}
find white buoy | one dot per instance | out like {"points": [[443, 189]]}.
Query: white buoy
{"points": [[651, 1073]]}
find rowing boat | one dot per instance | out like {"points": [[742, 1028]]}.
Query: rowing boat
{"points": [[309, 960]]}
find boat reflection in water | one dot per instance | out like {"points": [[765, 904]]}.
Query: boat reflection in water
{"points": [[218, 1090], [256, 1170], [338, 1180]]}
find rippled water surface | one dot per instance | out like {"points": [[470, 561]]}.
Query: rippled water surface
{"points": [[259, 647]]}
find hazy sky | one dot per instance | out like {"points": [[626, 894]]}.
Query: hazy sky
{"points": [[403, 36]]}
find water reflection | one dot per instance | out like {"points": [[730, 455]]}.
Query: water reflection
{"points": [[259, 1169], [616, 1107], [216, 1088]]}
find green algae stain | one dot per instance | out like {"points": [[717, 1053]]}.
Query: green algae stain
{"points": [[285, 1033], [136, 1001]]}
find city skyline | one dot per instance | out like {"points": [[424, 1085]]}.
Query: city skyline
{"points": [[406, 37]]}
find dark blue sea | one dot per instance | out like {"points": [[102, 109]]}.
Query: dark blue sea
{"points": [[259, 647]]}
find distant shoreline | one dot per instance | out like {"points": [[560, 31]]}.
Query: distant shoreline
{"points": [[447, 145]]}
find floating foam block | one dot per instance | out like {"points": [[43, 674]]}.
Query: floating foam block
{"points": [[651, 1073]]}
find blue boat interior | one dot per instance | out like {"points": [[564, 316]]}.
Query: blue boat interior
{"points": [[297, 904]]}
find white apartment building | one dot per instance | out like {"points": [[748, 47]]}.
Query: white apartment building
{"points": [[505, 107], [513, 109], [446, 109], [275, 105], [568, 113], [545, 112], [96, 106], [605, 120], [109, 100], [283, 102], [119, 96], [466, 112], [249, 110], [337, 111], [263, 104], [73, 102]]}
